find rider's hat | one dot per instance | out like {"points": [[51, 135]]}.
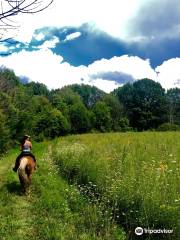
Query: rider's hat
{"points": [[26, 136]]}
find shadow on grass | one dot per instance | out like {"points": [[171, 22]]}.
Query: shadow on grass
{"points": [[14, 187]]}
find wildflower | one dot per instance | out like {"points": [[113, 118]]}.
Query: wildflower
{"points": [[163, 167]]}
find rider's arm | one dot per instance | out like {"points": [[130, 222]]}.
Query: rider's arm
{"points": [[30, 145]]}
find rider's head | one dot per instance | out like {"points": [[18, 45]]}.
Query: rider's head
{"points": [[25, 137]]}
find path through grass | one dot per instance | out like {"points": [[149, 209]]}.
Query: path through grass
{"points": [[54, 210]]}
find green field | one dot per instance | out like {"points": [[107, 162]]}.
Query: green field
{"points": [[95, 186]]}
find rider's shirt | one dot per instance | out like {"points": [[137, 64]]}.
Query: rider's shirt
{"points": [[26, 148]]}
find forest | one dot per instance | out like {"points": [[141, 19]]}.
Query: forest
{"points": [[31, 108]]}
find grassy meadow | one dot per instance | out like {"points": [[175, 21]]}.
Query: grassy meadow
{"points": [[134, 177], [95, 186]]}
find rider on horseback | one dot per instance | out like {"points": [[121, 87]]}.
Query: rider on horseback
{"points": [[25, 147]]}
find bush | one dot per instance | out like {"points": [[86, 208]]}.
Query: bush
{"points": [[51, 125], [124, 125], [168, 127]]}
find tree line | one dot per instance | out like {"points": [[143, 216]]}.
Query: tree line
{"points": [[30, 108]]}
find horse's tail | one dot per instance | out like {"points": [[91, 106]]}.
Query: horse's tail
{"points": [[22, 171]]}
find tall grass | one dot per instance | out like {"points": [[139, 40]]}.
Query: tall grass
{"points": [[54, 210], [63, 213], [131, 177]]}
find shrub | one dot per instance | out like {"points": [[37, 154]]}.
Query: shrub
{"points": [[168, 127]]}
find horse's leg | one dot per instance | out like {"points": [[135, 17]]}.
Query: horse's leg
{"points": [[22, 173], [29, 172], [29, 180], [23, 181]]}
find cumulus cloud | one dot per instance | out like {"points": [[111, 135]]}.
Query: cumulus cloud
{"points": [[152, 24], [46, 67], [130, 65], [169, 73]]}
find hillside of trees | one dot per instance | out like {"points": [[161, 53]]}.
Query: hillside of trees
{"points": [[32, 109]]}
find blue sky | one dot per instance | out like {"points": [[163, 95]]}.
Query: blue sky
{"points": [[102, 43]]}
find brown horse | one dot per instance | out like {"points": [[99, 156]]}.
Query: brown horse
{"points": [[25, 171]]}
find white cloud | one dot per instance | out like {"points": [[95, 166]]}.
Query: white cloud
{"points": [[40, 66], [46, 67], [110, 16], [43, 66], [134, 66], [169, 73], [49, 43], [105, 85], [40, 36], [72, 36], [3, 48]]}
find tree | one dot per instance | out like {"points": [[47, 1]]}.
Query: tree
{"points": [[89, 94], [8, 80], [116, 110], [51, 124], [80, 118], [125, 95], [66, 95], [173, 99], [4, 133], [10, 112], [144, 103], [63, 99], [12, 8], [103, 121], [149, 105], [35, 88], [30, 110], [40, 104]]}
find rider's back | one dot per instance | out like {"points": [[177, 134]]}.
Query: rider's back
{"points": [[27, 146]]}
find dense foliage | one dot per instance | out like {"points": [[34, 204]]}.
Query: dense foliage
{"points": [[33, 109]]}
